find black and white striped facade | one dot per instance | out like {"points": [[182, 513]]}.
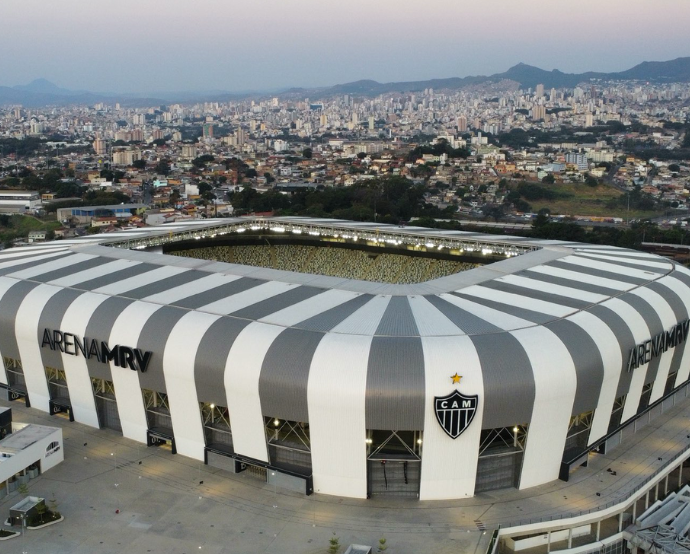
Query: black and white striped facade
{"points": [[539, 337]]}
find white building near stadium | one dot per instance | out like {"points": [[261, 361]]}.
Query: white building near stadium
{"points": [[432, 385]]}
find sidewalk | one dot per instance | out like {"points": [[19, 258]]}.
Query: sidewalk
{"points": [[172, 504]]}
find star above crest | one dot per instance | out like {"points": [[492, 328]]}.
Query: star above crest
{"points": [[456, 378]]}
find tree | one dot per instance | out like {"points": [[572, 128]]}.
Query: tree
{"points": [[41, 509], [139, 164], [307, 153], [163, 167], [334, 544], [54, 507], [549, 179], [204, 188], [382, 544], [591, 181], [269, 178], [674, 168]]}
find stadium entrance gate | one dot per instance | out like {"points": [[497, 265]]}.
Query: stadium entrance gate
{"points": [[16, 385], [501, 452], [394, 463], [393, 478], [106, 405], [59, 404], [160, 431]]}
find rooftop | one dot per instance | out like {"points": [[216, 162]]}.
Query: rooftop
{"points": [[23, 437]]}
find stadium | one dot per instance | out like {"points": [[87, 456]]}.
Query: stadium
{"points": [[346, 358]]}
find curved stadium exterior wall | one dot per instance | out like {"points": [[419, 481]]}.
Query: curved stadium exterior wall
{"points": [[436, 390]]}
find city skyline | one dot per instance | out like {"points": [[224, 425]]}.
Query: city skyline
{"points": [[139, 47]]}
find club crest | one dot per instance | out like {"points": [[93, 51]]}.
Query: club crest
{"points": [[455, 412]]}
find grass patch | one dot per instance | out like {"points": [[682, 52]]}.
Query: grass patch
{"points": [[19, 226], [583, 200], [4, 533]]}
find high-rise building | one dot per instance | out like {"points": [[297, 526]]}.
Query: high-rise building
{"points": [[189, 151], [241, 136], [462, 124], [539, 91], [99, 146], [538, 112], [577, 159], [208, 130]]}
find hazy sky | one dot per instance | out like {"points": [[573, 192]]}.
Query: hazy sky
{"points": [[166, 45]]}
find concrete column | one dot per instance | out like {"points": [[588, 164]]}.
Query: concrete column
{"points": [[548, 542], [598, 529], [570, 537], [634, 512], [646, 500], [666, 485], [620, 522], [680, 475]]}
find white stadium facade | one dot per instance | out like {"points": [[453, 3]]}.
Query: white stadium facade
{"points": [[503, 375]]}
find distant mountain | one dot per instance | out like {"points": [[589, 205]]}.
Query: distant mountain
{"points": [[43, 86], [527, 76], [43, 93]]}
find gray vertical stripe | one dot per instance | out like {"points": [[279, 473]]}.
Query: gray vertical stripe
{"points": [[589, 366], [395, 393], [153, 338], [681, 313], [654, 324], [115, 276], [469, 323], [99, 327], [625, 340], [277, 303], [398, 319], [285, 373], [164, 284], [9, 305], [504, 364], [212, 295], [31, 263], [526, 292], [621, 277], [51, 318], [572, 283], [211, 357], [71, 269], [522, 313], [622, 262], [325, 321]]}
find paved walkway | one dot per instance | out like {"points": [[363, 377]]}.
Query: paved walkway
{"points": [[172, 504]]}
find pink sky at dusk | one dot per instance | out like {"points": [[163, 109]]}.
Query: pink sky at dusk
{"points": [[162, 45]]}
